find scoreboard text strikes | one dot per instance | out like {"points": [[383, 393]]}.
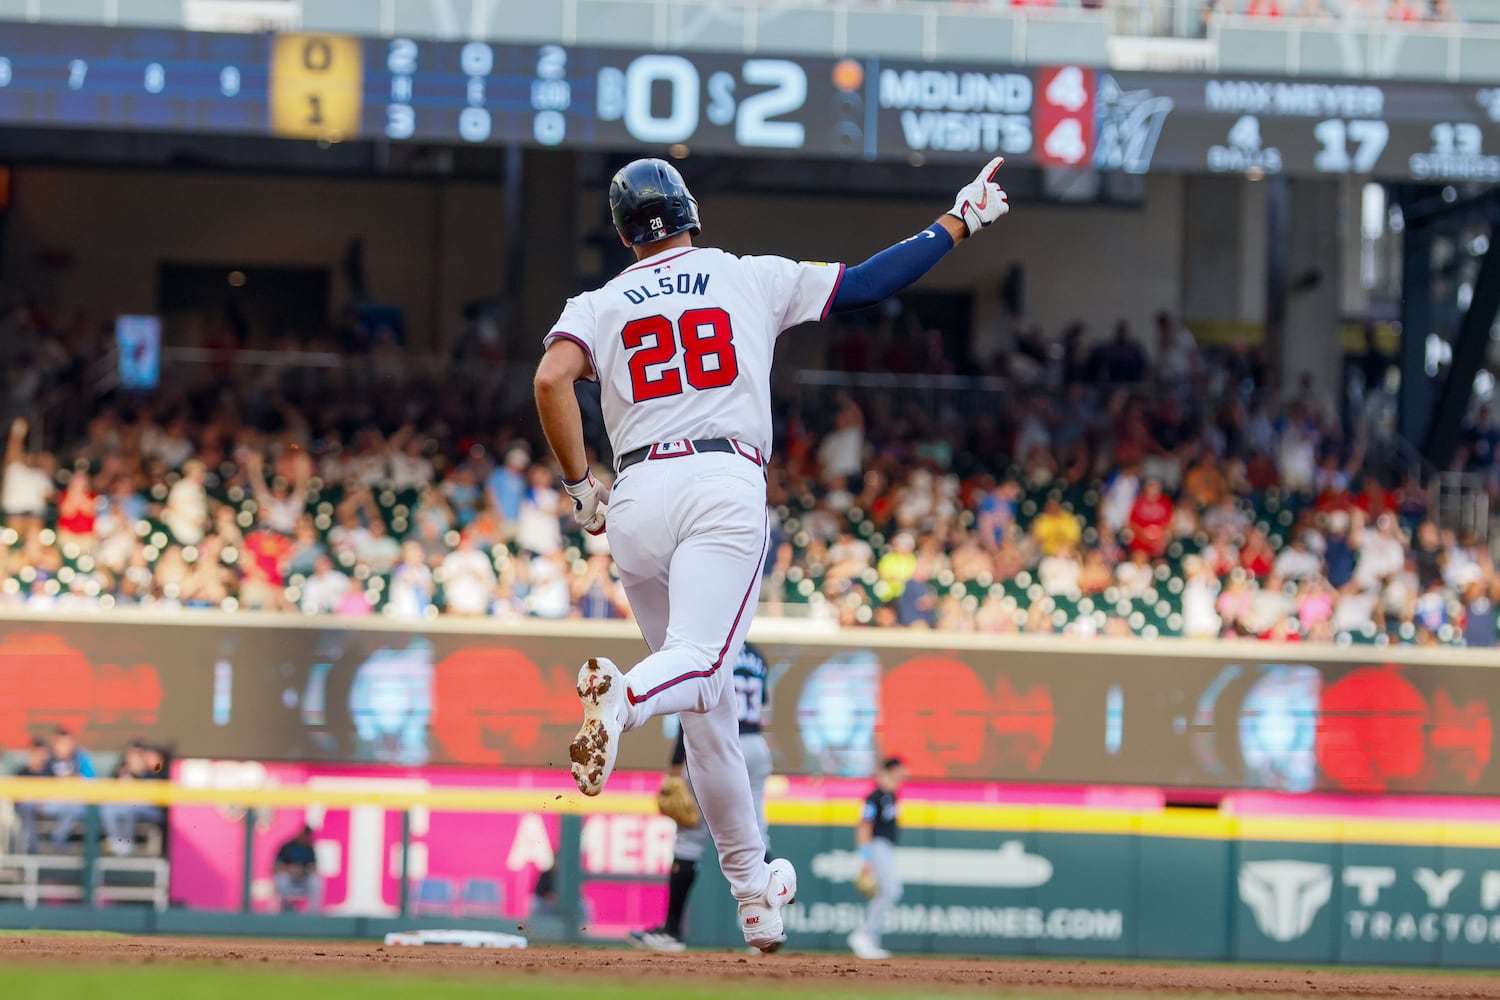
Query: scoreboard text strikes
{"points": [[334, 88]]}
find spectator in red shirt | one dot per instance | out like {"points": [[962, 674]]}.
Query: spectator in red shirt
{"points": [[1375, 499], [1256, 556], [1149, 518], [1264, 8], [264, 559], [1261, 472], [1401, 10], [76, 510]]}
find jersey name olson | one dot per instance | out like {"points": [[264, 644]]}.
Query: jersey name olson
{"points": [[669, 284]]}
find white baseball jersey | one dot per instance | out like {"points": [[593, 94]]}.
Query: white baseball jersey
{"points": [[681, 342]]}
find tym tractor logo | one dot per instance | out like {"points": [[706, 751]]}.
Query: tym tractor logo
{"points": [[1285, 896]]}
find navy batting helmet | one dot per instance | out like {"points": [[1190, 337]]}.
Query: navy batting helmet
{"points": [[650, 202]]}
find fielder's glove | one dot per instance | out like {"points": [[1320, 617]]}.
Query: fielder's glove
{"points": [[589, 508], [675, 799], [866, 882], [981, 201]]}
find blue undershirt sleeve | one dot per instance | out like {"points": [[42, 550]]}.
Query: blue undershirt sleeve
{"points": [[892, 269]]}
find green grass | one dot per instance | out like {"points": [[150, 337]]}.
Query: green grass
{"points": [[188, 983], [64, 934]]}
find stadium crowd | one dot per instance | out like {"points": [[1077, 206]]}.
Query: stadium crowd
{"points": [[1108, 490], [1329, 12]]}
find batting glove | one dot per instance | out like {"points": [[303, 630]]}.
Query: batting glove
{"points": [[981, 201], [589, 508]]}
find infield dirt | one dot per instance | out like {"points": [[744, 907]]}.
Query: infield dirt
{"points": [[804, 971]]}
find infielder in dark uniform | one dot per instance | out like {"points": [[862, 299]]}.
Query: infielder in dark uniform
{"points": [[751, 697], [876, 839]]}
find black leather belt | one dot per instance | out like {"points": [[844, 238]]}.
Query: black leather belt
{"points": [[749, 728], [678, 449]]}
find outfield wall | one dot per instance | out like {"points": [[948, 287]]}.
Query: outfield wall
{"points": [[1038, 710], [982, 878]]}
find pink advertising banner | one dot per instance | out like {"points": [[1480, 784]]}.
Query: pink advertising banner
{"points": [[359, 848], [625, 858]]}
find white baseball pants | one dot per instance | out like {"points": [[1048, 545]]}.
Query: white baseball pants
{"points": [[888, 888], [689, 535], [690, 842]]}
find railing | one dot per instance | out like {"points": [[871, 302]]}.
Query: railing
{"points": [[1162, 34]]}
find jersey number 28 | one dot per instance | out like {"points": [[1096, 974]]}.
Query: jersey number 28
{"points": [[707, 353]]}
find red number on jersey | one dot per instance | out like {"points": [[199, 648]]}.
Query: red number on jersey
{"points": [[708, 348], [710, 360], [661, 351]]}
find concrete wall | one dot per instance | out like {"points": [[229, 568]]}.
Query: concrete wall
{"points": [[1090, 263], [1196, 246], [429, 246]]}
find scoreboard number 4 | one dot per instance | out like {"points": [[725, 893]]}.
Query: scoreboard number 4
{"points": [[317, 83]]}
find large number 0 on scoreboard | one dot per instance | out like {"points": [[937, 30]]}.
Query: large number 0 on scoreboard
{"points": [[316, 86]]}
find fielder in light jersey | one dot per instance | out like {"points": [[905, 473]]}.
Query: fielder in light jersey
{"points": [[681, 343]]}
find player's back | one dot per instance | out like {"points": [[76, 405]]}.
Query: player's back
{"points": [[682, 342]]}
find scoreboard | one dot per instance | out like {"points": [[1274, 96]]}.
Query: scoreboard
{"points": [[335, 88]]}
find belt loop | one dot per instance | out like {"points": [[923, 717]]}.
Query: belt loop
{"points": [[748, 451]]}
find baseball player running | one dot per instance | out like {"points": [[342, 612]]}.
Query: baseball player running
{"points": [[876, 838], [750, 676], [681, 343]]}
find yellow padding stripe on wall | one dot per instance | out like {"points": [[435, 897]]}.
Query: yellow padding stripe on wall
{"points": [[917, 815]]}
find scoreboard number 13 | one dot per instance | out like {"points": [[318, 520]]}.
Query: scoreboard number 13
{"points": [[317, 82]]}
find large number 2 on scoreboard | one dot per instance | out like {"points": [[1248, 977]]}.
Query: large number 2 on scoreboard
{"points": [[708, 353]]}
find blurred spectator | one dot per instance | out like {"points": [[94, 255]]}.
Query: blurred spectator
{"points": [[28, 483], [1481, 438], [1297, 561], [899, 564], [1120, 360], [35, 766], [540, 527], [295, 874], [468, 579], [841, 453], [1055, 529], [1150, 517], [138, 763], [1264, 8], [1215, 10], [1402, 10], [324, 589], [506, 488], [1442, 12], [77, 513], [377, 549], [1199, 618], [549, 595], [282, 503], [186, 513], [64, 759], [412, 587]]}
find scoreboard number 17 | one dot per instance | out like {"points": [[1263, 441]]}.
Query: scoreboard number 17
{"points": [[1368, 138]]}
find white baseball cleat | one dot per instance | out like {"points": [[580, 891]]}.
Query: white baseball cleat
{"points": [[601, 688], [658, 940], [760, 919], [863, 947]]}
